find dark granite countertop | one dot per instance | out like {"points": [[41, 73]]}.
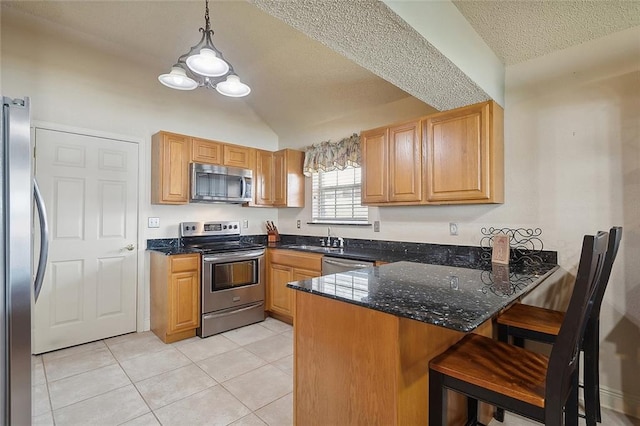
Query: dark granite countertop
{"points": [[453, 297], [170, 251]]}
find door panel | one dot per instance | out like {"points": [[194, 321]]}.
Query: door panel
{"points": [[458, 153], [90, 186], [374, 166], [405, 162]]}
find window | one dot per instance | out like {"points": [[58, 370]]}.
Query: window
{"points": [[336, 197]]}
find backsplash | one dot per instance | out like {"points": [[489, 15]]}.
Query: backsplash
{"points": [[438, 254]]}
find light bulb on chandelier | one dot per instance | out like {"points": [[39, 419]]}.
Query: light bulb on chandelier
{"points": [[205, 66]]}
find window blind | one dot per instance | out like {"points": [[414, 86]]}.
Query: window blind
{"points": [[336, 196]]}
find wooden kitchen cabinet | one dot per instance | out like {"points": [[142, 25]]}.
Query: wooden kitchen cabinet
{"points": [[263, 178], [392, 164], [170, 154], [237, 156], [285, 266], [206, 151], [453, 157], [175, 296], [375, 154], [219, 153], [279, 181], [280, 298], [464, 151]]}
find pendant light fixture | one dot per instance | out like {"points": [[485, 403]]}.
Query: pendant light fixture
{"points": [[204, 66]]}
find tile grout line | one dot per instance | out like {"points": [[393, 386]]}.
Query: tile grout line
{"points": [[191, 362]]}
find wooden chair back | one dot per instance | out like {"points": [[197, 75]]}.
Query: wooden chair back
{"points": [[563, 361], [615, 236]]}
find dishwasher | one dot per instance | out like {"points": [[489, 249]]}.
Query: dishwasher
{"points": [[334, 265]]}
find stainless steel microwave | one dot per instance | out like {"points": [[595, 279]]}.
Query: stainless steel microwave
{"points": [[220, 184]]}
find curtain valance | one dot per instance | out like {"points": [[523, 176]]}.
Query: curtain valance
{"points": [[328, 156]]}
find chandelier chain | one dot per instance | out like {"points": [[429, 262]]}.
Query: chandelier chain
{"points": [[206, 16]]}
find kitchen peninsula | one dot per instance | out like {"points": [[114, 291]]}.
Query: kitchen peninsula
{"points": [[364, 338]]}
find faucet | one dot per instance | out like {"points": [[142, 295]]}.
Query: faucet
{"points": [[328, 236]]}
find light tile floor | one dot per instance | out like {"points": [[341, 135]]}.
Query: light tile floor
{"points": [[241, 377]]}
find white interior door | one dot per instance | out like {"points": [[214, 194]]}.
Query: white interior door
{"points": [[90, 188]]}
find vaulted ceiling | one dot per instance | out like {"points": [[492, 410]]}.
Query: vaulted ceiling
{"points": [[292, 63]]}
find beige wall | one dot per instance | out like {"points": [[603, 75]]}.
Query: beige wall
{"points": [[572, 147], [571, 143], [74, 87]]}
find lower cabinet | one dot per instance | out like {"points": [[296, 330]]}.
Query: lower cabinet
{"points": [[284, 266], [175, 296]]}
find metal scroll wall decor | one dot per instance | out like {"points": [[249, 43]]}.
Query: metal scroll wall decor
{"points": [[526, 248]]}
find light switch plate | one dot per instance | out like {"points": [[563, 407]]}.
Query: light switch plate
{"points": [[376, 226], [245, 224], [453, 228], [154, 222]]}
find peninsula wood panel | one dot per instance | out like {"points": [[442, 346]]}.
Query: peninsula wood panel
{"points": [[375, 153], [371, 368], [405, 162], [170, 154]]}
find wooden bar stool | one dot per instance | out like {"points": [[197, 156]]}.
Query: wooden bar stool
{"points": [[514, 378], [534, 323]]}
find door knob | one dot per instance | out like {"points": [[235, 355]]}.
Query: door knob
{"points": [[130, 247]]}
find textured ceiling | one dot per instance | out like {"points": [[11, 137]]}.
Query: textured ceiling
{"points": [[296, 82], [521, 30], [294, 54], [370, 34]]}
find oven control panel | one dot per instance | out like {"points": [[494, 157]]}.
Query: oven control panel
{"points": [[196, 229]]}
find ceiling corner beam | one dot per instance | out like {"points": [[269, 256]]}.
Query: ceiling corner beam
{"points": [[372, 35]]}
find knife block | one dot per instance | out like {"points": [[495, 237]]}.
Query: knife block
{"points": [[272, 237]]}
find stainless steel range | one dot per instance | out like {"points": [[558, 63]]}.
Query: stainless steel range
{"points": [[232, 278]]}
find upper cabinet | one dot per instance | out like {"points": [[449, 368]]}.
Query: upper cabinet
{"points": [[465, 155], [263, 178], [392, 164], [205, 151], [375, 154], [170, 155], [237, 156], [278, 178], [213, 152], [453, 157]]}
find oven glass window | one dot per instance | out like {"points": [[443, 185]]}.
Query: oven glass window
{"points": [[234, 274]]}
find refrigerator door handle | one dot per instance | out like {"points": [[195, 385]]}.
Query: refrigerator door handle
{"points": [[44, 240]]}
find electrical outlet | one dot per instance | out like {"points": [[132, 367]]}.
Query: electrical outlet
{"points": [[376, 226], [298, 223], [453, 228], [154, 222], [245, 224]]}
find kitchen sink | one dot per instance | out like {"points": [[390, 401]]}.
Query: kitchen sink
{"points": [[319, 249]]}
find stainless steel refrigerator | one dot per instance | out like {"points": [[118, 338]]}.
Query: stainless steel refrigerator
{"points": [[18, 190]]}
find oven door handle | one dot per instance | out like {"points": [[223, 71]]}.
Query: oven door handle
{"points": [[232, 257], [232, 311]]}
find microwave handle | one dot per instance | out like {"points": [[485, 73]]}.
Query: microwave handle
{"points": [[243, 187]]}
